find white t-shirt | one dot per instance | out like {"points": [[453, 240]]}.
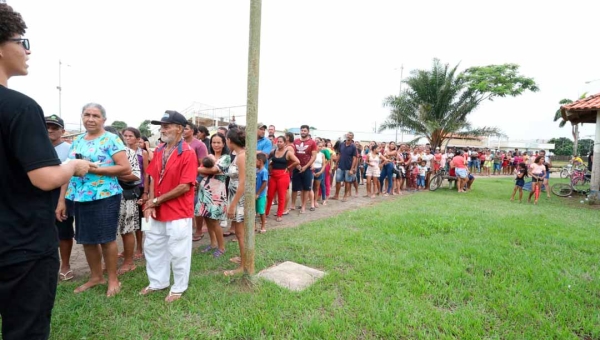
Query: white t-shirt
{"points": [[318, 163], [427, 159], [422, 170]]}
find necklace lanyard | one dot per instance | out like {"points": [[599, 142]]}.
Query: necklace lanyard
{"points": [[165, 159]]}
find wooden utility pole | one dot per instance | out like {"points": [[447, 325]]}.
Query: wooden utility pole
{"points": [[251, 127]]}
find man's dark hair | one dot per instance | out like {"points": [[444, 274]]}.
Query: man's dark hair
{"points": [[305, 127], [204, 130], [193, 127], [12, 23]]}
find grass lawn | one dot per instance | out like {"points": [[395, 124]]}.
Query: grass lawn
{"points": [[434, 265]]}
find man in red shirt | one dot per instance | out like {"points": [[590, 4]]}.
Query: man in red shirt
{"points": [[306, 150], [171, 205]]}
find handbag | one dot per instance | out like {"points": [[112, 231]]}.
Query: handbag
{"points": [[131, 190]]}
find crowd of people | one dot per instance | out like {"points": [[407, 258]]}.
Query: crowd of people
{"points": [[109, 183]]}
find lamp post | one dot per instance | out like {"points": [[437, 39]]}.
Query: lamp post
{"points": [[59, 87], [400, 93]]}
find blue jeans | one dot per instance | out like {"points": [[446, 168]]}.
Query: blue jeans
{"points": [[421, 181], [387, 171]]}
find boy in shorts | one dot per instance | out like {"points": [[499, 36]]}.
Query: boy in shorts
{"points": [[262, 177]]}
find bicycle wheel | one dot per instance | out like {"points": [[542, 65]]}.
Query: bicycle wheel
{"points": [[564, 173], [562, 189], [435, 182], [581, 185]]}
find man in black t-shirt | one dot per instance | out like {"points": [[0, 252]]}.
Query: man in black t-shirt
{"points": [[30, 179]]}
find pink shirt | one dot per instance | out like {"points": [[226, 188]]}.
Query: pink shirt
{"points": [[459, 162], [537, 169]]}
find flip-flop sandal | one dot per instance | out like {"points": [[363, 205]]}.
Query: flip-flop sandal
{"points": [[207, 249], [120, 255], [66, 276], [279, 219], [196, 239], [236, 259], [228, 234], [138, 256], [149, 290], [312, 209], [173, 297], [121, 272], [287, 212], [262, 231], [218, 253]]}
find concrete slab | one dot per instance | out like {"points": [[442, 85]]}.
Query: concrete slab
{"points": [[291, 275]]}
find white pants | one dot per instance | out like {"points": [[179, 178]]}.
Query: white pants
{"points": [[169, 244]]}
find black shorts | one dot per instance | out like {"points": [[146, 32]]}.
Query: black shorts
{"points": [[27, 292], [302, 181], [65, 229]]}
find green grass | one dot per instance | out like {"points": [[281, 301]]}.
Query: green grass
{"points": [[435, 265]]}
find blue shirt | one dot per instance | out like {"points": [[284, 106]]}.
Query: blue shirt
{"points": [[62, 150], [94, 187], [264, 145], [262, 176], [347, 154]]}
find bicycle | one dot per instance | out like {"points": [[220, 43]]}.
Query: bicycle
{"points": [[436, 181], [580, 182]]}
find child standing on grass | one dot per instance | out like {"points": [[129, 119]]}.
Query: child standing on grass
{"points": [[262, 177], [519, 182], [422, 173]]}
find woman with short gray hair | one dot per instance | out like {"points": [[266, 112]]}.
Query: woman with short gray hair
{"points": [[97, 197]]}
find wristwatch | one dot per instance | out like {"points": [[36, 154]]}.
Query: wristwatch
{"points": [[155, 201]]}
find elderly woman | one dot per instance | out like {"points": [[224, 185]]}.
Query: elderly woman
{"points": [[97, 197]]}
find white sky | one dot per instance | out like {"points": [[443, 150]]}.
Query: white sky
{"points": [[325, 63]]}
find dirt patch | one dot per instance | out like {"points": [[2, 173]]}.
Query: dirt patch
{"points": [[295, 218]]}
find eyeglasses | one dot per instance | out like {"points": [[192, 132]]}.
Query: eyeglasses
{"points": [[24, 42]]}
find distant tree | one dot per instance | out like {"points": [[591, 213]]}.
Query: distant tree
{"points": [[437, 102], [574, 127], [562, 146], [145, 129], [313, 128], [585, 146], [119, 125]]}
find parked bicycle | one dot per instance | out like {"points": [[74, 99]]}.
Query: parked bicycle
{"points": [[579, 182]]}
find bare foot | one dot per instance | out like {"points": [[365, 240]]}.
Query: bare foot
{"points": [[138, 256], [113, 289], [125, 268], [279, 219], [236, 260], [88, 285], [233, 272]]}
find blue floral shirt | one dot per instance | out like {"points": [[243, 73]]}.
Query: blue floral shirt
{"points": [[94, 187]]}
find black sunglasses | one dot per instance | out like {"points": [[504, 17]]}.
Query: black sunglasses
{"points": [[24, 42]]}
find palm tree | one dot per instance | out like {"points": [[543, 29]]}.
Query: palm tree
{"points": [[574, 128], [435, 106]]}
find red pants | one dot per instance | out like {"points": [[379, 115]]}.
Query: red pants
{"points": [[278, 181], [327, 181]]}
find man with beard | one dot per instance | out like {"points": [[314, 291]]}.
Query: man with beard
{"points": [[306, 151], [30, 177], [263, 143], [171, 205]]}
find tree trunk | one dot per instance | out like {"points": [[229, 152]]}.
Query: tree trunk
{"points": [[575, 132]]}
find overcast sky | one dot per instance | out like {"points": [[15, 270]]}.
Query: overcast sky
{"points": [[325, 63]]}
